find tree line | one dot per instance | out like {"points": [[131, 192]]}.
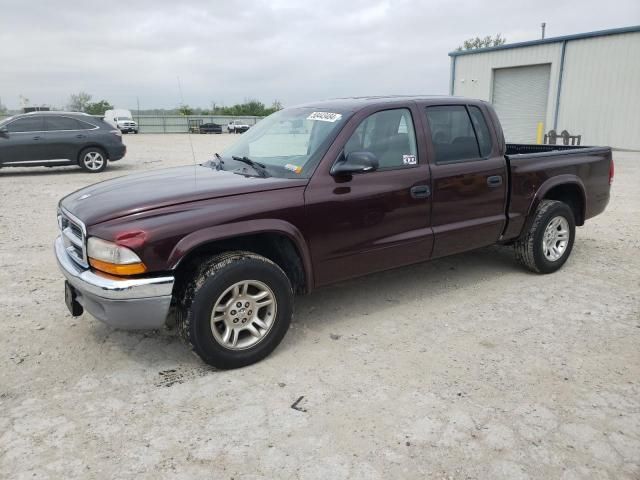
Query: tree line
{"points": [[477, 42], [82, 102], [250, 107]]}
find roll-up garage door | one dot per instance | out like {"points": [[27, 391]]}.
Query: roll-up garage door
{"points": [[520, 98]]}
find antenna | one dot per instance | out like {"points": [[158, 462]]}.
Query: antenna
{"points": [[193, 154]]}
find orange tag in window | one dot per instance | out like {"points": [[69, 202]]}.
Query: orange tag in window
{"points": [[293, 168]]}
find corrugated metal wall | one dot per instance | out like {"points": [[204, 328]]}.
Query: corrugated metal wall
{"points": [[600, 93], [600, 97], [474, 73]]}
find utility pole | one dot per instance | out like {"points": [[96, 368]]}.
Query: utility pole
{"points": [[543, 25]]}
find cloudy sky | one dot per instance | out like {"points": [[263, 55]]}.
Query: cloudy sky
{"points": [[294, 51]]}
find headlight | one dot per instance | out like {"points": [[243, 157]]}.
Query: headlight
{"points": [[112, 258]]}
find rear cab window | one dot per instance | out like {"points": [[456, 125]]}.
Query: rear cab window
{"points": [[481, 129], [458, 133]]}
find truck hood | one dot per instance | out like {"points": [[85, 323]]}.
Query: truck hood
{"points": [[159, 188]]}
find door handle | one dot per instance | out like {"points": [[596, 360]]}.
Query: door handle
{"points": [[80, 136], [494, 180], [420, 191], [36, 138]]}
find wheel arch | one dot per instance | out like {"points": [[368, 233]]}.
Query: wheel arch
{"points": [[568, 189], [276, 240], [91, 145]]}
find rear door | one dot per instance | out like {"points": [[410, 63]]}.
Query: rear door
{"points": [[24, 143], [64, 137], [469, 175]]}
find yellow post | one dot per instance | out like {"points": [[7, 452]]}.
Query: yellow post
{"points": [[540, 133]]}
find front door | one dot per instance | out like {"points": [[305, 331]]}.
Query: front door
{"points": [[469, 180], [377, 220], [24, 142]]}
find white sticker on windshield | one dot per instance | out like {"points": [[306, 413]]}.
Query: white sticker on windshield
{"points": [[409, 159], [325, 116]]}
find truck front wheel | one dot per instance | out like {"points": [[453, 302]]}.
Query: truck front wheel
{"points": [[547, 244], [235, 309]]}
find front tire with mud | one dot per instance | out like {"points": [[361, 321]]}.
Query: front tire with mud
{"points": [[234, 309], [548, 242]]}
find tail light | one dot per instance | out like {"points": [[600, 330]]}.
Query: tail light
{"points": [[116, 132], [611, 172]]}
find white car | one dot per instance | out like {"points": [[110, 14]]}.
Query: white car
{"points": [[237, 126], [122, 120]]}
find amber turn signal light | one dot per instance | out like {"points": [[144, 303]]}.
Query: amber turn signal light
{"points": [[114, 269]]}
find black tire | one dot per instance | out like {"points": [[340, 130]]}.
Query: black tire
{"points": [[84, 159], [529, 248], [135, 131], [207, 283]]}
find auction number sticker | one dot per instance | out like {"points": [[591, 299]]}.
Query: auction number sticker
{"points": [[325, 116], [409, 159]]}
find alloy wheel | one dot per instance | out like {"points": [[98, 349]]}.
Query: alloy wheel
{"points": [[243, 315], [556, 238]]}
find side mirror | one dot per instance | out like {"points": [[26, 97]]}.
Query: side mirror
{"points": [[4, 132], [355, 162]]}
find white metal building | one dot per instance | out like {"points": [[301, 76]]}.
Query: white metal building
{"points": [[587, 84]]}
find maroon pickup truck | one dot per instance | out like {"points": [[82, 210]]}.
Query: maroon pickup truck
{"points": [[313, 195]]}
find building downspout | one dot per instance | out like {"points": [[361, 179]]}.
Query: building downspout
{"points": [[453, 75], [559, 89]]}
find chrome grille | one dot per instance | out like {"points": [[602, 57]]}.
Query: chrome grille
{"points": [[74, 237]]}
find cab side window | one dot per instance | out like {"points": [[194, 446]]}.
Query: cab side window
{"points": [[389, 135], [453, 135], [26, 124]]}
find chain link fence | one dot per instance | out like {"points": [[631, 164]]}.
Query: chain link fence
{"points": [[180, 123]]}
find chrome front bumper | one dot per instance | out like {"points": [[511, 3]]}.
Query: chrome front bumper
{"points": [[135, 303]]}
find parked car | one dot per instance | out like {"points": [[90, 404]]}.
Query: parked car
{"points": [[237, 126], [122, 120], [373, 184], [210, 128], [59, 138]]}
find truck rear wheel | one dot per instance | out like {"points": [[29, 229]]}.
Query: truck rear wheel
{"points": [[235, 309], [546, 246]]}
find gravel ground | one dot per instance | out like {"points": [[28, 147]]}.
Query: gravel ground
{"points": [[466, 367]]}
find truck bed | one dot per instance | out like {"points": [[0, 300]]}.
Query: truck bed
{"points": [[525, 148], [535, 170]]}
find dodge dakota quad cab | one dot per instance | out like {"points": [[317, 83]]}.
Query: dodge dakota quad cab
{"points": [[219, 249]]}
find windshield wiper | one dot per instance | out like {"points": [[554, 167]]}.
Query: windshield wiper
{"points": [[213, 164], [257, 166]]}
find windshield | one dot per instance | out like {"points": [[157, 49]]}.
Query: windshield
{"points": [[6, 120], [289, 143], [122, 118]]}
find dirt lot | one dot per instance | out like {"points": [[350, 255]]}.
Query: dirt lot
{"points": [[467, 367]]}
